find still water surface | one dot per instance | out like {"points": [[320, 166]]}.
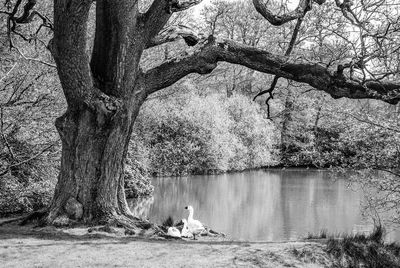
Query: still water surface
{"points": [[272, 205]]}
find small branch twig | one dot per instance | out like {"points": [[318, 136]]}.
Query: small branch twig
{"points": [[33, 59], [4, 172]]}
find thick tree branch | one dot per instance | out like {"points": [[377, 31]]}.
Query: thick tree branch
{"points": [[206, 54], [175, 33], [69, 52], [172, 71], [180, 5], [277, 20], [159, 13]]}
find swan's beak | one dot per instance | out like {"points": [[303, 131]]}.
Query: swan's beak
{"points": [[186, 207]]}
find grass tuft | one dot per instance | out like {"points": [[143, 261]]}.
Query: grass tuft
{"points": [[362, 250], [168, 222], [321, 235]]}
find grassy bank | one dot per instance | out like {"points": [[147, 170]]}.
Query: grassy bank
{"points": [[76, 247], [49, 247]]}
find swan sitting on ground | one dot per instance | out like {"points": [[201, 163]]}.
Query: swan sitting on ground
{"points": [[194, 226], [185, 229], [173, 231]]}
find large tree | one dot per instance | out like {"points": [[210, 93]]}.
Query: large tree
{"points": [[105, 90]]}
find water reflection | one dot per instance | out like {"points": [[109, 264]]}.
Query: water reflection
{"points": [[140, 207], [259, 205]]}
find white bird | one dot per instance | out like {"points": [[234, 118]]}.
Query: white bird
{"points": [[194, 226], [173, 231], [185, 229]]}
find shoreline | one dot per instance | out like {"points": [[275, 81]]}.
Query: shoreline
{"points": [[29, 246], [278, 168], [49, 247]]}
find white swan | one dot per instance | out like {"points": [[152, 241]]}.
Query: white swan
{"points": [[185, 229], [194, 226], [173, 231]]}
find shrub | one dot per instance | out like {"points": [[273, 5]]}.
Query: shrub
{"points": [[254, 132], [29, 186], [364, 251], [192, 134], [137, 183]]}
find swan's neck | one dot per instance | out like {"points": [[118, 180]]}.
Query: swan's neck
{"points": [[190, 215]]}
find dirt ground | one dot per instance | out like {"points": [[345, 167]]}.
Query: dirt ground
{"points": [[50, 247]]}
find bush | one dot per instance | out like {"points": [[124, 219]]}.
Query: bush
{"points": [[15, 198], [256, 135], [29, 186], [192, 134], [341, 133], [137, 183], [364, 251]]}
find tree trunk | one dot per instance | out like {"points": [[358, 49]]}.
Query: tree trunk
{"points": [[104, 96], [91, 178]]}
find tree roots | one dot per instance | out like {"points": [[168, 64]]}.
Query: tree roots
{"points": [[115, 223]]}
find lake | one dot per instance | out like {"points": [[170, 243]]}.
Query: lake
{"points": [[264, 205]]}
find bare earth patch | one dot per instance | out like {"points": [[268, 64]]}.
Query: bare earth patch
{"points": [[50, 247]]}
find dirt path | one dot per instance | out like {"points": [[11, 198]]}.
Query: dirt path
{"points": [[26, 247]]}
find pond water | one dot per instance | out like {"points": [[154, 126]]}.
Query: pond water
{"points": [[264, 205]]}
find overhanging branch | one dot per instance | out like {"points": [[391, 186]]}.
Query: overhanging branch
{"points": [[207, 53]]}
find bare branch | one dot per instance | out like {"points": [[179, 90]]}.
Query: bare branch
{"points": [[8, 73], [7, 169], [27, 16], [34, 59], [276, 78], [277, 20], [3, 135], [207, 53]]}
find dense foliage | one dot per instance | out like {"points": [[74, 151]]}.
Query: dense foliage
{"points": [[193, 134], [328, 135]]}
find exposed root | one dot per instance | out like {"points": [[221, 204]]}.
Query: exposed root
{"points": [[38, 216], [116, 223], [131, 225], [12, 220], [23, 220]]}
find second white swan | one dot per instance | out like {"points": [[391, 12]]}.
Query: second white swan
{"points": [[173, 231]]}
